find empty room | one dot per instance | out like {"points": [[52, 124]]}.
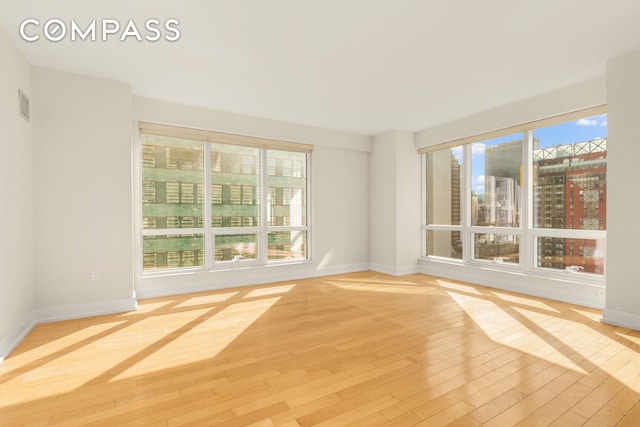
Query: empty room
{"points": [[336, 213]]}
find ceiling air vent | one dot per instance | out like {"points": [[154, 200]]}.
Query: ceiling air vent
{"points": [[23, 105]]}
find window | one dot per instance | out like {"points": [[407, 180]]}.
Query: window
{"points": [[516, 201], [253, 212], [495, 169], [443, 171], [574, 154]]}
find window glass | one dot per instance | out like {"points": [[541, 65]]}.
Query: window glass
{"points": [[174, 202], [171, 182], [443, 186], [574, 255], [496, 191], [287, 245], [566, 186], [500, 248], [444, 243], [236, 247], [235, 178], [570, 175], [173, 251], [287, 192]]}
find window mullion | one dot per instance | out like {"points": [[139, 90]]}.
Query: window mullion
{"points": [[264, 208], [467, 237], [209, 255], [307, 206], [527, 243], [423, 220]]}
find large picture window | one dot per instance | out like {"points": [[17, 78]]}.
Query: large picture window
{"points": [[531, 199], [208, 204]]}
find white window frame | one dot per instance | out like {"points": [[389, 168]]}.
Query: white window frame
{"points": [[527, 233], [209, 232]]}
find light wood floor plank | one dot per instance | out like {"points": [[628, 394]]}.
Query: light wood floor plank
{"points": [[362, 349]]}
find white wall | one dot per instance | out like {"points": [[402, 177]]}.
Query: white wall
{"points": [[395, 204], [383, 195], [623, 203], [583, 95], [17, 279], [156, 111], [83, 196], [408, 203], [339, 188]]}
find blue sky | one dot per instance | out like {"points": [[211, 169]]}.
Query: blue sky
{"points": [[581, 130], [576, 131]]}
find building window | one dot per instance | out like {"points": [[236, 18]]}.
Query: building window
{"points": [[216, 194], [532, 175], [185, 227]]}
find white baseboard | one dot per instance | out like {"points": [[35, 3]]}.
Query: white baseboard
{"points": [[63, 312], [77, 311], [11, 339], [153, 287], [558, 290], [340, 269], [395, 270], [621, 318]]}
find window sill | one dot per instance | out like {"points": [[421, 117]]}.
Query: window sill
{"points": [[226, 267]]}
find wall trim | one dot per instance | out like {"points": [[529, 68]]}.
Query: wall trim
{"points": [[209, 282], [542, 287], [395, 270], [156, 111], [621, 318], [61, 312], [78, 311], [14, 336]]}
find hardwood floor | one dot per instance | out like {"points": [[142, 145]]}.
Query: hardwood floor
{"points": [[357, 349]]}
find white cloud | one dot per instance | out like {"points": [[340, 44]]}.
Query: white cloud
{"points": [[587, 122], [457, 152], [478, 148], [477, 183], [604, 123]]}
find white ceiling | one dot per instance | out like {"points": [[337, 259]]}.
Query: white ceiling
{"points": [[364, 66]]}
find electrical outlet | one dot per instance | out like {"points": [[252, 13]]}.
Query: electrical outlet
{"points": [[600, 292], [95, 275]]}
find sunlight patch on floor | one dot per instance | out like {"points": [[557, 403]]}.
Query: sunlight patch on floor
{"points": [[377, 287], [43, 378], [59, 359], [380, 282], [273, 290], [207, 337], [524, 301], [206, 299], [591, 315], [458, 287], [559, 348], [147, 306], [503, 328], [36, 347]]}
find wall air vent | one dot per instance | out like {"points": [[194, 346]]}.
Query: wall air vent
{"points": [[23, 105]]}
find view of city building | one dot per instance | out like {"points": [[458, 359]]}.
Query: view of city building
{"points": [[174, 200], [568, 191]]}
